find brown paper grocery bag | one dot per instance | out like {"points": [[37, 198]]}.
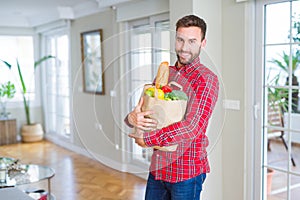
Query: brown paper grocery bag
{"points": [[165, 112]]}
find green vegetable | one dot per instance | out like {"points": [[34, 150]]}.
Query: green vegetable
{"points": [[176, 95], [150, 93]]}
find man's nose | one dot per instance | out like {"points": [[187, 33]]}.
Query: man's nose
{"points": [[185, 46]]}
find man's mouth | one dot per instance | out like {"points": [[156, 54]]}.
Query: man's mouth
{"points": [[184, 55]]}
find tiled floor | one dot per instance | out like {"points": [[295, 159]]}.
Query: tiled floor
{"points": [[278, 157]]}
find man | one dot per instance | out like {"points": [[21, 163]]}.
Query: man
{"points": [[179, 175]]}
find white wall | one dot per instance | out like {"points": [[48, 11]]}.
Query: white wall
{"points": [[90, 111], [233, 73], [212, 58]]}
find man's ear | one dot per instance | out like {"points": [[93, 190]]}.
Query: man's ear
{"points": [[203, 43]]}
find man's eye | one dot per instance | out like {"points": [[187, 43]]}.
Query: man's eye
{"points": [[192, 41], [179, 40]]}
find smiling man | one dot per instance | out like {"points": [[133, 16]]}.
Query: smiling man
{"points": [[179, 175]]}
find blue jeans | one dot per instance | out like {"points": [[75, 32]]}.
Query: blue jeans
{"points": [[185, 190]]}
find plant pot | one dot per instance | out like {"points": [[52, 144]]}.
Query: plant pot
{"points": [[270, 174], [295, 93], [32, 133]]}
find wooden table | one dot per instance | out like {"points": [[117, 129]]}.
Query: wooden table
{"points": [[8, 131]]}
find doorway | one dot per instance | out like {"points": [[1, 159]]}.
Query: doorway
{"points": [[278, 67]]}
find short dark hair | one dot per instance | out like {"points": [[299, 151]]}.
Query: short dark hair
{"points": [[192, 20]]}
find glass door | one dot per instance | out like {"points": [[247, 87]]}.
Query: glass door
{"points": [[57, 90], [281, 112], [149, 45]]}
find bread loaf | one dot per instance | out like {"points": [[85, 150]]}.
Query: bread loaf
{"points": [[162, 76]]}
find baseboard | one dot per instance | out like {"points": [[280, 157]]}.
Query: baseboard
{"points": [[68, 145], [123, 167]]}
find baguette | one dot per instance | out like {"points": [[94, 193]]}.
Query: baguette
{"points": [[162, 76]]}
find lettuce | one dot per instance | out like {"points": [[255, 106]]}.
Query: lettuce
{"points": [[176, 95]]}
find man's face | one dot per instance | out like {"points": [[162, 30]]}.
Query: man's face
{"points": [[188, 44]]}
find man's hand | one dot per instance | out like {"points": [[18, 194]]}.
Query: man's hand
{"points": [[138, 119]]}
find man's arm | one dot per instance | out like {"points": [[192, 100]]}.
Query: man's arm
{"points": [[137, 119], [200, 107]]}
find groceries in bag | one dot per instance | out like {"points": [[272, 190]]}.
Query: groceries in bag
{"points": [[169, 105]]}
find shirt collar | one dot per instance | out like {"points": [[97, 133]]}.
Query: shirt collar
{"points": [[189, 67]]}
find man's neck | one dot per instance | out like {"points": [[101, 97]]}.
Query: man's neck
{"points": [[179, 65]]}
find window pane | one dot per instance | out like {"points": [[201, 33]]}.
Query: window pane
{"points": [[149, 47], [276, 185], [277, 154], [163, 41], [295, 57], [296, 21], [277, 25], [165, 53], [277, 64], [282, 137], [58, 89], [21, 48], [295, 187], [141, 58], [295, 150]]}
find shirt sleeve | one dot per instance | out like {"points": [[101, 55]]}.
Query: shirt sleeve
{"points": [[199, 110]]}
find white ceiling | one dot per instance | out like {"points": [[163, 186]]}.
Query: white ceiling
{"points": [[31, 13]]}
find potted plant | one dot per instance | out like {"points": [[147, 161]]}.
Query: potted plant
{"points": [[7, 91], [283, 63], [270, 173], [30, 131], [277, 96]]}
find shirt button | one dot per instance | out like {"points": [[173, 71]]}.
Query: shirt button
{"points": [[157, 155]]}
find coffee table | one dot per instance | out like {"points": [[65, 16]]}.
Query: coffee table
{"points": [[29, 173]]}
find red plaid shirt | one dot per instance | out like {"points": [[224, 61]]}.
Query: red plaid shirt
{"points": [[190, 159]]}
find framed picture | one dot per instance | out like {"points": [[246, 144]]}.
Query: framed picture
{"points": [[92, 61]]}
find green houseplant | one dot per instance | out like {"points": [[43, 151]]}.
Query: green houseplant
{"points": [[29, 128], [283, 63], [277, 96], [7, 91]]}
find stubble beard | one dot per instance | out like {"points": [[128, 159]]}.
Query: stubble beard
{"points": [[193, 56]]}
